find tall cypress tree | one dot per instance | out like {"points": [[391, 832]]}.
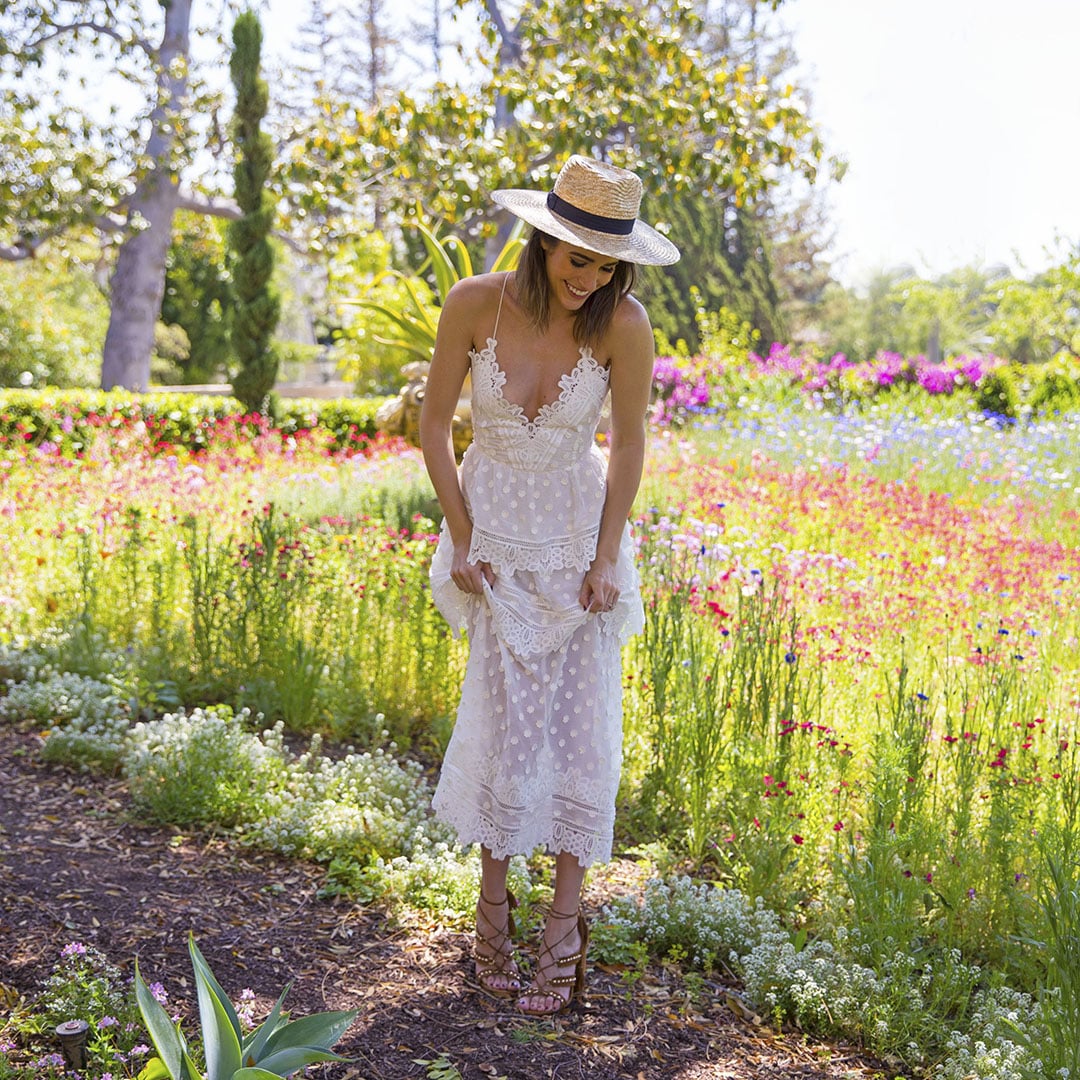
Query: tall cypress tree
{"points": [[257, 305]]}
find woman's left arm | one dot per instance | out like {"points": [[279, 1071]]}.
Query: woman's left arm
{"points": [[630, 380]]}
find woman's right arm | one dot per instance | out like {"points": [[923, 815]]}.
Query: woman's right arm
{"points": [[462, 311]]}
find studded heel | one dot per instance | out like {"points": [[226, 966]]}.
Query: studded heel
{"points": [[493, 952], [570, 971]]}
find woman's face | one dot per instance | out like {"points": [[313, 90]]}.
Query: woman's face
{"points": [[575, 273]]}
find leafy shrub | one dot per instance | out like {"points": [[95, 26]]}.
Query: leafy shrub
{"points": [[20, 663], [990, 1046], [363, 806], [203, 768], [72, 420], [1057, 386], [815, 987], [276, 1048], [705, 925], [84, 720], [52, 325], [442, 878], [349, 422], [997, 394], [85, 985]]}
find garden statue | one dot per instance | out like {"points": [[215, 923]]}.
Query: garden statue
{"points": [[401, 415]]}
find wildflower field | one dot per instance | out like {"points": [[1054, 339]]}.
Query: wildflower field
{"points": [[850, 724]]}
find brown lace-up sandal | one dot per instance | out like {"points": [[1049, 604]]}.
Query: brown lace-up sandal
{"points": [[570, 971], [493, 953]]}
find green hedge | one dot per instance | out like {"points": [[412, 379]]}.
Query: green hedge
{"points": [[71, 419]]}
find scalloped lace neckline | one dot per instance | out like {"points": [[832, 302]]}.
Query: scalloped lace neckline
{"points": [[586, 362]]}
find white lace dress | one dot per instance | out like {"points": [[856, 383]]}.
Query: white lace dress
{"points": [[536, 750]]}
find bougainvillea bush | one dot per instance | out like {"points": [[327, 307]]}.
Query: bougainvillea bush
{"points": [[689, 389]]}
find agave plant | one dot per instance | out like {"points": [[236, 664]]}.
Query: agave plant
{"points": [[449, 262], [276, 1048]]}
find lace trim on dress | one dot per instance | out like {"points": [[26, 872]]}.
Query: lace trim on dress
{"points": [[494, 379], [531, 814], [543, 557], [525, 639]]}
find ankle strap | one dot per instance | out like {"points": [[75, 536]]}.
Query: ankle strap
{"points": [[561, 915], [495, 903]]}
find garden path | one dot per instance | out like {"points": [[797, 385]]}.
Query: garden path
{"points": [[76, 866]]}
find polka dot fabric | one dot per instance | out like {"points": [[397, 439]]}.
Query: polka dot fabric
{"points": [[536, 751]]}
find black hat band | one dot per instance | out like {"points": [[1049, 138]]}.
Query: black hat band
{"points": [[596, 222]]}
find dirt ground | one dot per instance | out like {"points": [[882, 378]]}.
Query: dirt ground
{"points": [[76, 866]]}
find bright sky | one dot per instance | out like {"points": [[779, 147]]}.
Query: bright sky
{"points": [[960, 120]]}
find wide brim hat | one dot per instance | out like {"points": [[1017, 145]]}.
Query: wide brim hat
{"points": [[593, 205]]}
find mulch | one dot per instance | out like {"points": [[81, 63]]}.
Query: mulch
{"points": [[76, 865]]}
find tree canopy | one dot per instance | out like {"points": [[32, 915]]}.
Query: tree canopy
{"points": [[621, 79]]}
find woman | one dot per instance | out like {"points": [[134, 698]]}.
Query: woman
{"points": [[535, 560]]}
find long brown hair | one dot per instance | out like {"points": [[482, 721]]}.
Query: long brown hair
{"points": [[593, 318]]}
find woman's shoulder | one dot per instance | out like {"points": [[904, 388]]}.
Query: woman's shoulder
{"points": [[475, 295], [630, 325]]}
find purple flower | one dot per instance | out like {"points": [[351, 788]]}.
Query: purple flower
{"points": [[160, 994], [75, 948], [936, 380]]}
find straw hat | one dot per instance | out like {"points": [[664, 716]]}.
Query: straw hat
{"points": [[595, 206]]}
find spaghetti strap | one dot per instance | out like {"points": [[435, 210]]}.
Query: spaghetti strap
{"points": [[495, 328]]}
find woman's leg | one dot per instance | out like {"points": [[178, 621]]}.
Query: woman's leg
{"points": [[561, 938], [496, 970]]}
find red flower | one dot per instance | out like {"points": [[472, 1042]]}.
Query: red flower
{"points": [[797, 838]]}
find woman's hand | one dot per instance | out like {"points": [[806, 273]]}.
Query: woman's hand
{"points": [[600, 589], [469, 577]]}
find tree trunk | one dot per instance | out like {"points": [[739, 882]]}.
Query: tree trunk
{"points": [[138, 282]]}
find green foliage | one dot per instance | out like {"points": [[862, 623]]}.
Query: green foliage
{"points": [[440, 1068], [971, 309], [725, 264], [84, 721], [415, 322], [707, 925], [256, 305], [42, 143], [198, 296], [997, 394], [349, 422], [362, 358], [171, 351], [901, 313], [278, 1047], [72, 420], [82, 984], [52, 324], [1033, 320], [617, 79], [205, 768], [1056, 387], [1059, 1053]]}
